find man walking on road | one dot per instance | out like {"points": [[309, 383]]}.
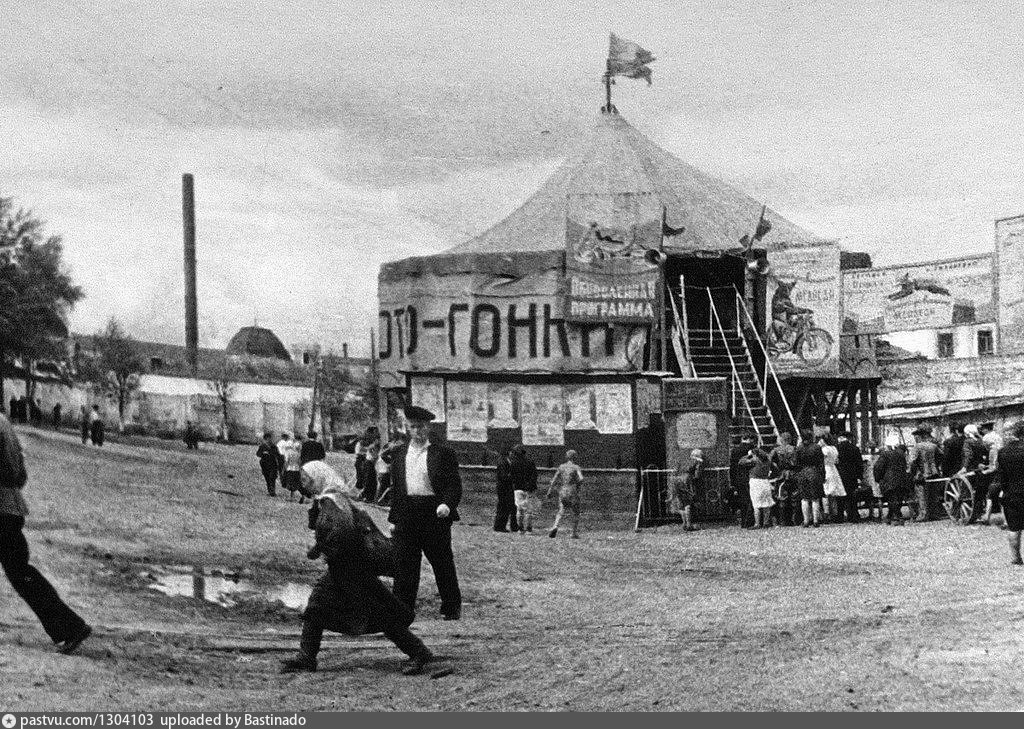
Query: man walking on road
{"points": [[65, 628], [426, 489]]}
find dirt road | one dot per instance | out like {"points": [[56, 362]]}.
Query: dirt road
{"points": [[860, 617]]}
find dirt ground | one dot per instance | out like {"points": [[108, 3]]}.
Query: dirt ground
{"points": [[866, 617]]}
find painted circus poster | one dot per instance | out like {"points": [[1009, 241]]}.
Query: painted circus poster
{"points": [[804, 308], [542, 414], [467, 411], [428, 392], [921, 296]]}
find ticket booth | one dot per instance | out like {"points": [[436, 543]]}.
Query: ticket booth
{"points": [[696, 413]]}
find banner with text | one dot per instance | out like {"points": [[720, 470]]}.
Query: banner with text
{"points": [[920, 296], [466, 322], [607, 277], [803, 298]]}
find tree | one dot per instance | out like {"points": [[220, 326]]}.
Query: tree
{"points": [[117, 365], [343, 396], [36, 292], [223, 380]]}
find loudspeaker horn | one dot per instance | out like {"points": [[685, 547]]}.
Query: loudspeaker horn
{"points": [[655, 257]]}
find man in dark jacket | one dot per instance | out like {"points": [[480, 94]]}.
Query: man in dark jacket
{"points": [[851, 469], [425, 492], [953, 450], [311, 450], [267, 454], [505, 514], [64, 626], [1011, 468]]}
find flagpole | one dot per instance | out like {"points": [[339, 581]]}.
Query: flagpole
{"points": [[608, 86]]}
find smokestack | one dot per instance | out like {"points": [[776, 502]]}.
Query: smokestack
{"points": [[344, 350], [188, 214]]}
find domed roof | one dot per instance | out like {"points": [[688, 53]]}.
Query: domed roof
{"points": [[617, 159], [257, 342]]}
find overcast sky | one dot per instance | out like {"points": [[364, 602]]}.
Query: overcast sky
{"points": [[328, 137]]}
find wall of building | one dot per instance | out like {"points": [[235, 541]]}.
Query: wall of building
{"points": [[162, 405], [944, 380], [481, 418], [609, 497], [926, 341]]}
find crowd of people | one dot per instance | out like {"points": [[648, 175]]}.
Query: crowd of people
{"points": [[285, 462], [828, 478]]}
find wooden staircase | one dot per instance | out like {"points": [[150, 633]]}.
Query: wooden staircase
{"points": [[713, 355]]}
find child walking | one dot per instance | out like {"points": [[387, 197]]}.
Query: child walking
{"points": [[569, 479], [685, 486]]}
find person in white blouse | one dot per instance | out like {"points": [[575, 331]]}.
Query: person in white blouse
{"points": [[426, 489]]}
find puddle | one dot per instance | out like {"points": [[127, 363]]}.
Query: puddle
{"points": [[221, 587]]}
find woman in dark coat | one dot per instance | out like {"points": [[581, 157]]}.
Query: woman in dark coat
{"points": [[809, 463], [350, 598], [890, 471]]}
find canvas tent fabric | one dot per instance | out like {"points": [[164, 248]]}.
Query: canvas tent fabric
{"points": [[617, 158]]}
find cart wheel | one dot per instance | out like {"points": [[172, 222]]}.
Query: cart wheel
{"points": [[958, 500]]}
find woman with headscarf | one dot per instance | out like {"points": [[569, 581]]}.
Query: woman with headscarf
{"points": [[810, 477], [350, 598]]}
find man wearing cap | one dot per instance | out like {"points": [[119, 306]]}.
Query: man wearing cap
{"points": [[426, 489], [923, 465]]}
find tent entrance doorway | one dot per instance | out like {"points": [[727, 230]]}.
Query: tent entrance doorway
{"points": [[697, 282]]}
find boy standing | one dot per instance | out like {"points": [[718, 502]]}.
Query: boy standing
{"points": [[569, 478]]}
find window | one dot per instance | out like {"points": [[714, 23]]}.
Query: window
{"points": [[986, 345], [945, 344]]}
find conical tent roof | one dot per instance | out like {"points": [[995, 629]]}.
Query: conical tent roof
{"points": [[257, 342], [616, 158]]}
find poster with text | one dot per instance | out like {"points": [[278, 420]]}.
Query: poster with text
{"points": [[428, 392], [1010, 252], [579, 405], [804, 308], [467, 411], [541, 414], [502, 413], [920, 296], [614, 406]]}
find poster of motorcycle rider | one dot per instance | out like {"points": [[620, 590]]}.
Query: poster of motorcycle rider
{"points": [[804, 295]]}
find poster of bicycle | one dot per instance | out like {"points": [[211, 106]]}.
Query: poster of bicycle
{"points": [[804, 309]]}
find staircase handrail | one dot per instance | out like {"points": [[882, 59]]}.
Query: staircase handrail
{"points": [[768, 364], [732, 364], [681, 334]]}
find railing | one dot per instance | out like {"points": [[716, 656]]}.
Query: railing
{"points": [[681, 335], [735, 373], [768, 366]]}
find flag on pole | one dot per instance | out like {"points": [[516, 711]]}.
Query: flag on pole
{"points": [[764, 226], [629, 59]]}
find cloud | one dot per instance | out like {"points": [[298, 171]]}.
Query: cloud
{"points": [[328, 137]]}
